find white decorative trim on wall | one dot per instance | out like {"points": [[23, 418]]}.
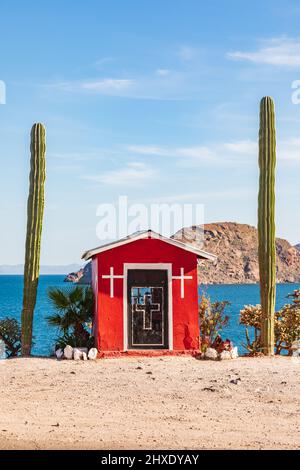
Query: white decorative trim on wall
{"points": [[111, 277], [182, 278], [164, 266]]}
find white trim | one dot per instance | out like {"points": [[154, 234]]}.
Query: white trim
{"points": [[164, 266], [182, 278], [148, 234]]}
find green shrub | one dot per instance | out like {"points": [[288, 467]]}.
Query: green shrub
{"points": [[10, 334], [74, 315]]}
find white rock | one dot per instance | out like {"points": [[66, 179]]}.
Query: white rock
{"points": [[85, 350], [93, 354], [59, 353], [234, 353], [296, 344], [296, 352], [211, 353], [84, 356], [77, 354], [68, 352], [225, 355]]}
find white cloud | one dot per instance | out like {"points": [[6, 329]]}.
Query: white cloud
{"points": [[244, 147], [283, 51], [289, 150], [105, 86], [211, 153], [222, 153], [154, 87], [186, 53], [162, 72], [108, 85], [99, 63], [134, 173], [73, 156]]}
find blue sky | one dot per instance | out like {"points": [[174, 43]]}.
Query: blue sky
{"points": [[156, 100]]}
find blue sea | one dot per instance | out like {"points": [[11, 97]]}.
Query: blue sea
{"points": [[11, 291]]}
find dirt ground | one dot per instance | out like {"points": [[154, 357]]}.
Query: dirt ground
{"points": [[150, 403]]}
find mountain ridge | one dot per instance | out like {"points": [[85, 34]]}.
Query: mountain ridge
{"points": [[236, 248]]}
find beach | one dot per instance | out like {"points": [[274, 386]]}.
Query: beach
{"points": [[150, 403]]}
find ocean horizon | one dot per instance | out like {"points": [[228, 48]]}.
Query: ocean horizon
{"points": [[11, 296]]}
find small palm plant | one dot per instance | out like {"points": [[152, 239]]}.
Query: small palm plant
{"points": [[74, 315]]}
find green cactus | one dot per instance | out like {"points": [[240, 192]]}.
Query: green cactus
{"points": [[266, 222], [35, 210]]}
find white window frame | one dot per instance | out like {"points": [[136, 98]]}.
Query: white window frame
{"points": [[163, 266]]}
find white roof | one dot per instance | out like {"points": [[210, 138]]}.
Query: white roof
{"points": [[148, 234]]}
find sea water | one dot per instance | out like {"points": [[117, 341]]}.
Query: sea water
{"points": [[11, 292]]}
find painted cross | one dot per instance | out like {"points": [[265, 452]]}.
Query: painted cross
{"points": [[182, 278], [111, 277], [147, 308]]}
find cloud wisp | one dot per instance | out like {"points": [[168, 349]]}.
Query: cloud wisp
{"points": [[223, 153], [133, 174], [211, 154], [280, 52]]}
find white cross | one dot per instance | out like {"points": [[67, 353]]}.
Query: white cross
{"points": [[111, 277], [182, 278]]}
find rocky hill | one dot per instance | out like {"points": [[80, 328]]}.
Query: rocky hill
{"points": [[236, 248], [83, 276], [298, 246]]}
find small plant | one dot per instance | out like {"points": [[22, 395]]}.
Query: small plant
{"points": [[286, 330], [74, 315], [251, 316], [212, 319], [10, 334]]}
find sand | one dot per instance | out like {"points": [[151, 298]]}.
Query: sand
{"points": [[150, 403]]}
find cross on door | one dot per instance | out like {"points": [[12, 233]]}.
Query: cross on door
{"points": [[111, 277], [182, 278], [147, 308]]}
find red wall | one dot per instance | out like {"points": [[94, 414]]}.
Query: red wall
{"points": [[109, 319]]}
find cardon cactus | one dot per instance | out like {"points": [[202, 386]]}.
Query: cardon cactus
{"points": [[266, 222], [35, 210]]}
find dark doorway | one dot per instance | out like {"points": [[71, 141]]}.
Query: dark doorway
{"points": [[147, 292]]}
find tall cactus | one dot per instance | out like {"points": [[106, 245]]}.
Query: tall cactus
{"points": [[266, 222], [35, 210]]}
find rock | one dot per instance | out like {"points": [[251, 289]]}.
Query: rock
{"points": [[211, 353], [77, 354], [83, 276], [93, 353], [59, 353], [234, 353], [235, 381], [80, 353], [295, 344], [225, 355], [296, 348], [68, 352]]}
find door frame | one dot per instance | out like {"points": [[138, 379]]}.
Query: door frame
{"points": [[163, 266]]}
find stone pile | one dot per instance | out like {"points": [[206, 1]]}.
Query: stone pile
{"points": [[76, 354]]}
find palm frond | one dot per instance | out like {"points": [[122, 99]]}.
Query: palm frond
{"points": [[59, 298]]}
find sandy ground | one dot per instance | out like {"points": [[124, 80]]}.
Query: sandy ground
{"points": [[148, 403]]}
